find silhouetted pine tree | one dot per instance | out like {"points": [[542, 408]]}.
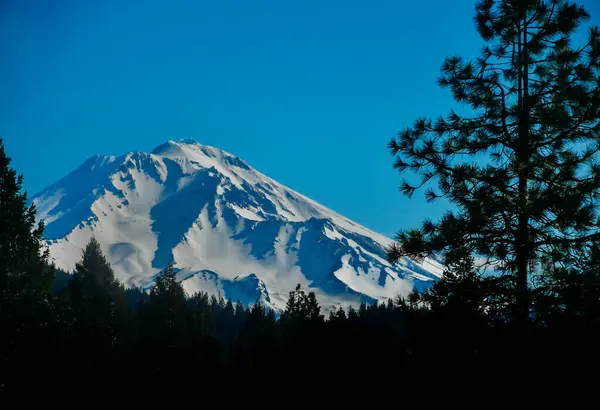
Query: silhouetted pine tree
{"points": [[338, 339], [522, 169], [103, 325], [207, 352], [568, 308], [134, 296], [302, 325], [166, 324], [25, 276], [227, 330], [240, 316], [256, 346], [203, 315]]}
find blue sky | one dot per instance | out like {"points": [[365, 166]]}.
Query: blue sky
{"points": [[308, 92]]}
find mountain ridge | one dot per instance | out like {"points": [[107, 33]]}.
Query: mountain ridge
{"points": [[209, 211]]}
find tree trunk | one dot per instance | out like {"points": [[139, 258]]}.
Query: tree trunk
{"points": [[524, 155]]}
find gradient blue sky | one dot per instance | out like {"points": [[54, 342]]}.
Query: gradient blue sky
{"points": [[308, 92]]}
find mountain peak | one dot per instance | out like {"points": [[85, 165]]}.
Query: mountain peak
{"points": [[209, 211], [172, 145], [189, 148], [189, 141]]}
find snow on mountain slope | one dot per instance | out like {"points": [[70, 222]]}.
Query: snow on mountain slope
{"points": [[228, 228]]}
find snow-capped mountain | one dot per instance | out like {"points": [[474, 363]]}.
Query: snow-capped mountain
{"points": [[228, 228]]}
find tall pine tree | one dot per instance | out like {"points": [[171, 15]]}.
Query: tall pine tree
{"points": [[522, 168], [166, 323], [102, 318], [256, 346], [302, 325], [25, 272]]}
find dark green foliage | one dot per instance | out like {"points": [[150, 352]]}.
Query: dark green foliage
{"points": [[302, 307], [522, 169], [302, 326], [257, 342], [203, 314], [61, 281], [206, 349], [102, 319], [25, 273], [134, 295], [166, 323], [302, 311]]}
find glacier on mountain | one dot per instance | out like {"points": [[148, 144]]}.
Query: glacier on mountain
{"points": [[229, 230]]}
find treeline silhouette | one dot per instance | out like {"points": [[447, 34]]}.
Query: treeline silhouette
{"points": [[91, 321], [87, 320]]}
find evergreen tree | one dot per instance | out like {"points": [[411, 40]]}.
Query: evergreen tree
{"points": [[352, 315], [302, 325], [208, 350], [134, 296], [166, 323], [227, 329], [313, 310], [337, 315], [203, 315], [26, 275], [103, 319], [240, 310], [522, 168], [240, 316], [336, 336], [572, 293], [463, 295], [301, 307], [256, 347]]}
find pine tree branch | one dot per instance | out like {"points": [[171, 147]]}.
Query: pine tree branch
{"points": [[544, 28], [560, 136], [569, 241]]}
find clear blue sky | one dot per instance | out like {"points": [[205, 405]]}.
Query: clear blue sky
{"points": [[308, 92]]}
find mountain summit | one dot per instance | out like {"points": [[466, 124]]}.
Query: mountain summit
{"points": [[228, 228]]}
